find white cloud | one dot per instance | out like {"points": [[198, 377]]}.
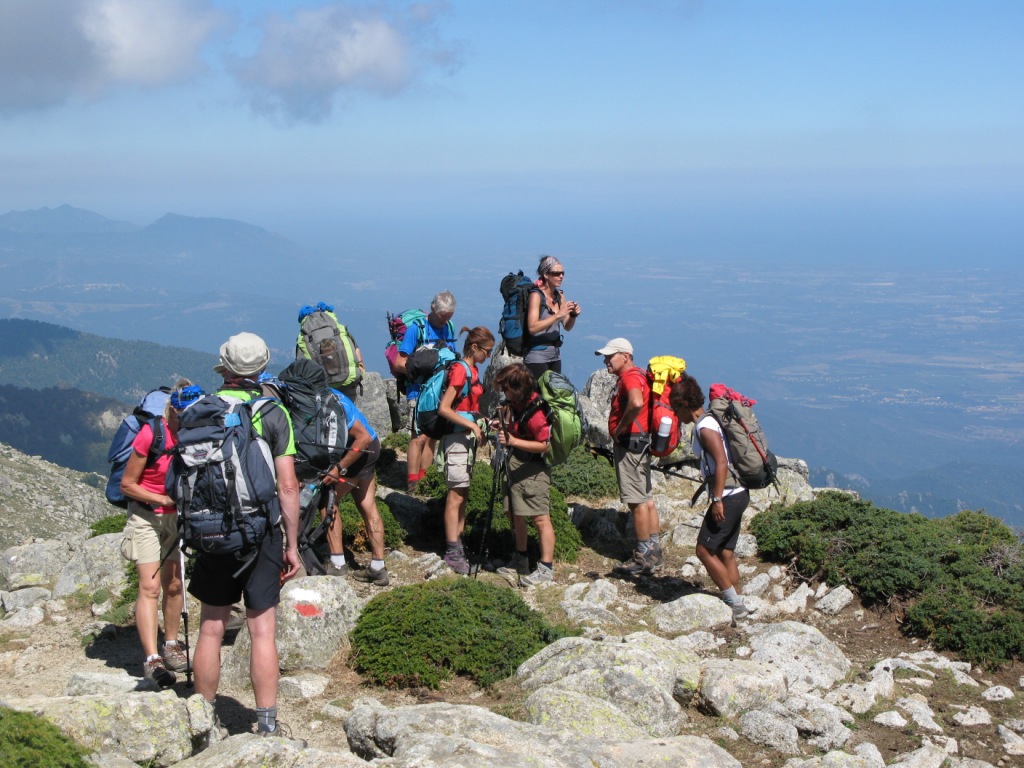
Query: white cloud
{"points": [[307, 61], [55, 50]]}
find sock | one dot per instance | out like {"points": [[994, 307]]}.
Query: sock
{"points": [[171, 642], [338, 561], [453, 546], [643, 546], [414, 477], [421, 475], [266, 718], [730, 596], [154, 656], [654, 539], [550, 565], [376, 565]]}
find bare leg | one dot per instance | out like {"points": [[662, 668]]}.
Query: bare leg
{"points": [[455, 513], [263, 662], [206, 660], [717, 568], [145, 606], [170, 577], [645, 519], [546, 536], [365, 495]]}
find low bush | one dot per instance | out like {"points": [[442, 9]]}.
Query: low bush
{"points": [[28, 741], [585, 476], [110, 524], [355, 532], [960, 577], [396, 441], [424, 634]]}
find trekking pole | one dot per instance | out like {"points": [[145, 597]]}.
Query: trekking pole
{"points": [[184, 619], [483, 552]]}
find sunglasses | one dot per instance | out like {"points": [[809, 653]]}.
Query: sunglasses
{"points": [[556, 274]]}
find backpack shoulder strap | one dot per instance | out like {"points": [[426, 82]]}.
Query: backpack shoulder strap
{"points": [[156, 447]]}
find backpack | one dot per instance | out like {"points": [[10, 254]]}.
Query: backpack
{"points": [[398, 325], [429, 421], [323, 339], [149, 410], [559, 397], [750, 461], [318, 418], [662, 373], [515, 290], [222, 477]]}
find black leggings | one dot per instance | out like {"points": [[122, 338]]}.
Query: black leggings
{"points": [[538, 368]]}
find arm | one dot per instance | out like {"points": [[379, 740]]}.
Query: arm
{"points": [[130, 483], [634, 404], [288, 494], [446, 409], [360, 442], [711, 442], [533, 322]]}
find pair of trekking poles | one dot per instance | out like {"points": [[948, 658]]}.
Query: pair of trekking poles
{"points": [[500, 460]]}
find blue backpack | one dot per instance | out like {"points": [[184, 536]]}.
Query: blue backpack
{"points": [[150, 411], [515, 290], [429, 421]]}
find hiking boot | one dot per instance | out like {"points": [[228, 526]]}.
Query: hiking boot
{"points": [[457, 562], [513, 573], [378, 578], [412, 487], [156, 672], [284, 733], [741, 611], [639, 564], [341, 571], [654, 559], [543, 575], [174, 658]]}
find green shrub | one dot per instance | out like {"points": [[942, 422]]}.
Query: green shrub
{"points": [[110, 524], [355, 532], [28, 741], [962, 576], [424, 634], [567, 537], [585, 476], [398, 441]]}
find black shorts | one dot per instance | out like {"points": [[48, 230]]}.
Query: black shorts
{"points": [[363, 467], [213, 582], [716, 537]]}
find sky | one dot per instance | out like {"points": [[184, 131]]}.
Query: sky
{"points": [[643, 128]]}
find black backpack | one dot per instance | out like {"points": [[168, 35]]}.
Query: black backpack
{"points": [[318, 418]]}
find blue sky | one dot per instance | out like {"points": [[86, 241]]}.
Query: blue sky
{"points": [[703, 129]]}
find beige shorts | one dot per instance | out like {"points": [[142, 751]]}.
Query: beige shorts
{"points": [[530, 494], [633, 473], [149, 537], [410, 421], [458, 452]]}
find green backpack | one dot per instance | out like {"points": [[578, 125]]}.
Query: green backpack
{"points": [[558, 397]]}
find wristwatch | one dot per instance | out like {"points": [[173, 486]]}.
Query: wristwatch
{"points": [[715, 498]]}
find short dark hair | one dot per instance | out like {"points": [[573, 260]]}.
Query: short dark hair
{"points": [[686, 395], [516, 382]]}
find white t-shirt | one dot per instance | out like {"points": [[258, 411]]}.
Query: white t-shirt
{"points": [[707, 461]]}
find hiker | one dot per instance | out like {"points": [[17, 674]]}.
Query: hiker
{"points": [[355, 474], [631, 452], [459, 448], [151, 542], [547, 314], [525, 434], [433, 330], [325, 340], [716, 541], [217, 581]]}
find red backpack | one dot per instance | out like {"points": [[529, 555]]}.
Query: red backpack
{"points": [[662, 373]]}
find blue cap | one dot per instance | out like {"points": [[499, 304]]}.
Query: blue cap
{"points": [[184, 397]]}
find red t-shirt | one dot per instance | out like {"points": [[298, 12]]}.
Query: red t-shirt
{"points": [[153, 476], [457, 379], [634, 378]]}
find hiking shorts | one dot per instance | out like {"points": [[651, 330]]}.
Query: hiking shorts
{"points": [[717, 537], [363, 467], [531, 487], [633, 473], [214, 583], [411, 416], [458, 452], [149, 537]]}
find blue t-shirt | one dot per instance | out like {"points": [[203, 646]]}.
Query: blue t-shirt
{"points": [[353, 414], [413, 341]]}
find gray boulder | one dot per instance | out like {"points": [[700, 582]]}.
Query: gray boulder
{"points": [[24, 598], [729, 687], [771, 729], [691, 612], [33, 565], [596, 400], [248, 749], [96, 565], [373, 403], [809, 660], [153, 728]]}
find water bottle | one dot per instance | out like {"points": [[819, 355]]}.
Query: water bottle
{"points": [[664, 432], [308, 494]]}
